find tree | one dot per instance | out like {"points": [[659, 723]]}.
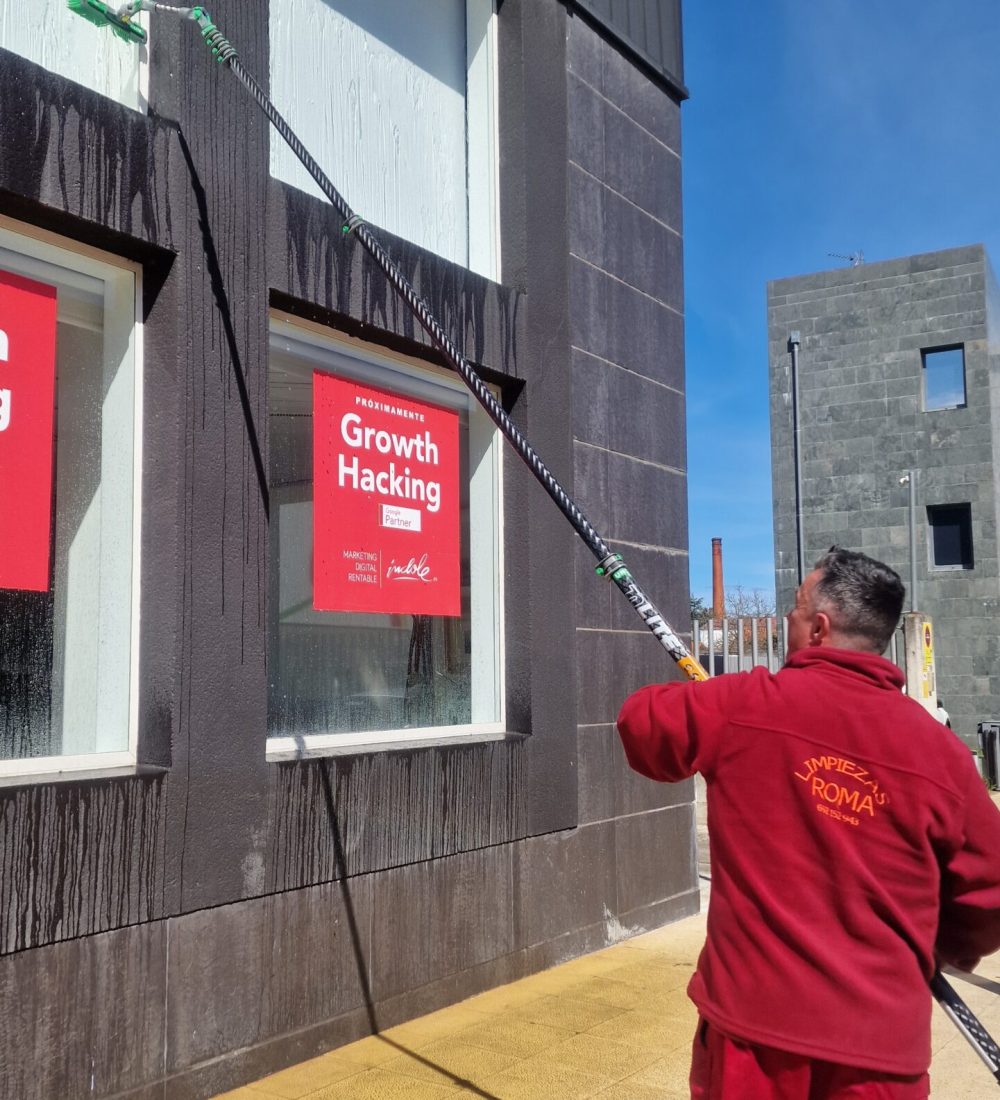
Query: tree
{"points": [[748, 603], [699, 612], [742, 606]]}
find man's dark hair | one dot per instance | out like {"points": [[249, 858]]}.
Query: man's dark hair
{"points": [[863, 597]]}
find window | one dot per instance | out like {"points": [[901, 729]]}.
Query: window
{"points": [[404, 123], [365, 669], [950, 536], [944, 377], [74, 48], [69, 556]]}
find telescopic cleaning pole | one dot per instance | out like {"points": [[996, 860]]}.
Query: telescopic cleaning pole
{"points": [[609, 563]]}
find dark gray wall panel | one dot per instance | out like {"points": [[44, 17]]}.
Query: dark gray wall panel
{"points": [[635, 794], [564, 880], [628, 413], [651, 29], [663, 574], [82, 156], [222, 689], [321, 271], [616, 664], [84, 1018], [608, 786], [378, 810], [78, 859], [243, 973], [647, 336], [441, 918], [540, 586], [596, 772], [632, 501], [654, 848], [612, 234]]}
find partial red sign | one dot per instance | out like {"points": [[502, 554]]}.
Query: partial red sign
{"points": [[385, 502], [27, 414]]}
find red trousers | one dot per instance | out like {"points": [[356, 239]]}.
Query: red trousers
{"points": [[730, 1069]]}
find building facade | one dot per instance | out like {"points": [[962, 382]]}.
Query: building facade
{"points": [[242, 822], [898, 380]]}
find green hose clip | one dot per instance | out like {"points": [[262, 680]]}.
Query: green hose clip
{"points": [[613, 568], [222, 48], [352, 223]]}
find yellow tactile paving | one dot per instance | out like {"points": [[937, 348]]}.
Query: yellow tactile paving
{"points": [[593, 1054], [451, 1062], [568, 1013], [377, 1084], [513, 1035], [529, 1080], [306, 1078], [615, 1025], [439, 1025]]}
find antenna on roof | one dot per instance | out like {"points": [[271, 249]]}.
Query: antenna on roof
{"points": [[856, 259]]}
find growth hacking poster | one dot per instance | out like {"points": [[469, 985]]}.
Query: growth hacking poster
{"points": [[385, 502], [27, 414]]}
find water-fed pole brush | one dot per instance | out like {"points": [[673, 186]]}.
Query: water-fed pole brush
{"points": [[609, 563], [101, 15]]}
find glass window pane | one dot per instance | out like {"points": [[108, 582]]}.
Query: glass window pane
{"points": [[951, 536], [66, 646], [349, 672], [944, 378]]}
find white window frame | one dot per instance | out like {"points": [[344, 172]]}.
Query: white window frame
{"points": [[122, 326], [483, 137], [329, 350]]}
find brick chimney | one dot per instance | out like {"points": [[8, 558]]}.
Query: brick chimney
{"points": [[718, 593]]}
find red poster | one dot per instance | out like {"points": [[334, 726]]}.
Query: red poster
{"points": [[27, 412], [385, 502]]}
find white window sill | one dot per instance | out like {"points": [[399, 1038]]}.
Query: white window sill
{"points": [[78, 775], [280, 752]]}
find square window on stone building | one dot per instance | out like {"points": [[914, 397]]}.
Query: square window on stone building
{"points": [[944, 377], [385, 571], [950, 530]]}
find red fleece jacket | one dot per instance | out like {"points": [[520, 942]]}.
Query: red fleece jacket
{"points": [[851, 840]]}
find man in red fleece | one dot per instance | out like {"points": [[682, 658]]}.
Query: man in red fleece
{"points": [[853, 845]]}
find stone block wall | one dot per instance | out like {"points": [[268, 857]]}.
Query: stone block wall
{"points": [[863, 425]]}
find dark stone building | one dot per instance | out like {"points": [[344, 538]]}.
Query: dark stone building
{"points": [[236, 828], [898, 370]]}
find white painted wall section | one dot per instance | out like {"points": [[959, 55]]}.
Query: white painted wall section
{"points": [[377, 91], [48, 33]]}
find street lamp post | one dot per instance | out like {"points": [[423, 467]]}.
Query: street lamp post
{"points": [[910, 479], [794, 341]]}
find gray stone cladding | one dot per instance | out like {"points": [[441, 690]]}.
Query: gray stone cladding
{"points": [[863, 425]]}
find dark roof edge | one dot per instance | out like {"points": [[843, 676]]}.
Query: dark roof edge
{"points": [[653, 68]]}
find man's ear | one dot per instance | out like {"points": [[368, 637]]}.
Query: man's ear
{"points": [[820, 629]]}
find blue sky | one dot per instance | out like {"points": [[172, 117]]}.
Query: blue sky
{"points": [[813, 128]]}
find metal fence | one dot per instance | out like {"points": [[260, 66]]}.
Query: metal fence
{"points": [[738, 645]]}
